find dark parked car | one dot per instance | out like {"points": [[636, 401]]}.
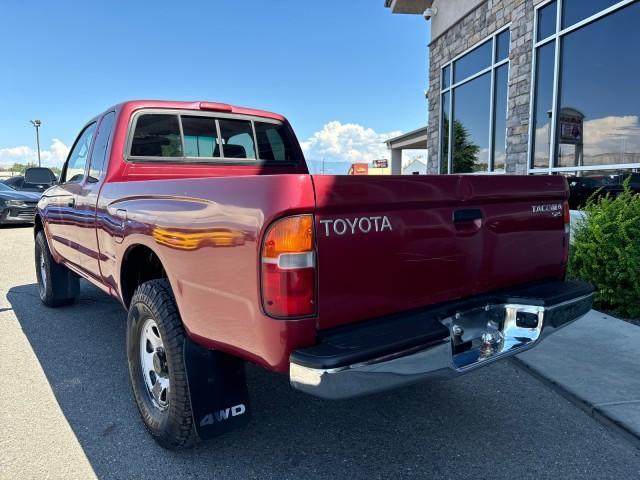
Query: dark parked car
{"points": [[582, 188], [35, 179], [17, 207]]}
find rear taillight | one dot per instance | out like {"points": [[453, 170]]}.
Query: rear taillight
{"points": [[567, 231], [289, 268]]}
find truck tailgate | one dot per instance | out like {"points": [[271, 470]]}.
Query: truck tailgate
{"points": [[390, 244]]}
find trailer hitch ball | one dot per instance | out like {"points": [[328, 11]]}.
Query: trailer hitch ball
{"points": [[491, 341]]}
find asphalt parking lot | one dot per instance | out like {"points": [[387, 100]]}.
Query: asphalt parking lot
{"points": [[66, 411]]}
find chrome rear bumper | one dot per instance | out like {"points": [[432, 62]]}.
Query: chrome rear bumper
{"points": [[477, 337]]}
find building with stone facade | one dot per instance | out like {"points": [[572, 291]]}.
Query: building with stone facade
{"points": [[531, 86]]}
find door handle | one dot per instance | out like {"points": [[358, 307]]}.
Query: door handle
{"points": [[71, 202], [467, 215]]}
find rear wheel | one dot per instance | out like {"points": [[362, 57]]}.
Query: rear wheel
{"points": [[155, 342], [57, 285]]}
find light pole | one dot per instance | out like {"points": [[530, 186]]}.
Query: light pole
{"points": [[37, 123]]}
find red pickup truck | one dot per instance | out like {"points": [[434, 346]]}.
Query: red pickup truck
{"points": [[204, 222]]}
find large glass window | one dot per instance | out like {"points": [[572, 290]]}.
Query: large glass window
{"points": [[444, 126], [502, 45], [547, 20], [476, 60], [595, 121], [470, 127], [501, 86], [543, 102], [474, 108], [574, 11]]}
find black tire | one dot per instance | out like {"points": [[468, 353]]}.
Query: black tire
{"points": [[170, 425], [57, 285]]}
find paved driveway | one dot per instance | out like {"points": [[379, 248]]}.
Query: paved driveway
{"points": [[66, 412]]}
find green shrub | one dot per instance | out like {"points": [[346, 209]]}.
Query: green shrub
{"points": [[606, 252]]}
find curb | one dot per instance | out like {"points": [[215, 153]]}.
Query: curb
{"points": [[593, 411]]}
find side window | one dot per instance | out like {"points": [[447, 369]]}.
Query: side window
{"points": [[77, 161], [274, 143], [157, 135], [237, 139], [98, 156], [200, 137]]}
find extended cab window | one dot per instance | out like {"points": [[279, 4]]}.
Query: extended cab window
{"points": [[77, 162], [98, 155], [273, 143], [237, 139], [157, 135]]}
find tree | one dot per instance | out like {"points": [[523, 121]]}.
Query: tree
{"points": [[18, 168], [465, 152]]}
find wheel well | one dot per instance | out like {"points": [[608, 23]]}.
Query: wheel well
{"points": [[140, 264]]}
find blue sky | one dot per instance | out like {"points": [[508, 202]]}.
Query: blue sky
{"points": [[323, 64]]}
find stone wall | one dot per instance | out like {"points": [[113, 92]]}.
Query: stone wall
{"points": [[479, 24]]}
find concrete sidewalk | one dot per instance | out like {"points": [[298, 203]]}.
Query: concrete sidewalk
{"points": [[595, 363]]}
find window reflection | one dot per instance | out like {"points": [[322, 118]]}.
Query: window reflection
{"points": [[446, 76], [476, 60], [500, 116], [469, 99], [444, 154], [599, 103], [470, 127], [543, 103], [547, 21], [502, 45], [574, 11], [200, 137], [597, 184]]}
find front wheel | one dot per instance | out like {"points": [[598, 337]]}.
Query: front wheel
{"points": [[155, 342], [57, 285]]}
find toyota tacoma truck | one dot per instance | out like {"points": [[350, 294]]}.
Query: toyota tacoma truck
{"points": [[202, 219]]}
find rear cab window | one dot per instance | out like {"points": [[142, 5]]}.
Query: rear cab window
{"points": [[190, 137], [157, 135]]}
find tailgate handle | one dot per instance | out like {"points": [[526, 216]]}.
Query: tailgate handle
{"points": [[467, 215]]}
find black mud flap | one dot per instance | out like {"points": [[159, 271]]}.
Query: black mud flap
{"points": [[218, 387]]}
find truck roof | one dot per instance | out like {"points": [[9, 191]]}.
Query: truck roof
{"points": [[200, 105]]}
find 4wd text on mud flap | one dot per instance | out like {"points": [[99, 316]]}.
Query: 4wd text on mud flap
{"points": [[222, 415]]}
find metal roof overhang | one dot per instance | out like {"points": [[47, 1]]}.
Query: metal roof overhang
{"points": [[416, 139]]}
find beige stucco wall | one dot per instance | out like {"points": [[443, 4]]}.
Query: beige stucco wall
{"points": [[449, 13]]}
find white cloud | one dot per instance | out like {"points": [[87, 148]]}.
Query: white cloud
{"points": [[54, 156], [612, 135], [347, 142]]}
